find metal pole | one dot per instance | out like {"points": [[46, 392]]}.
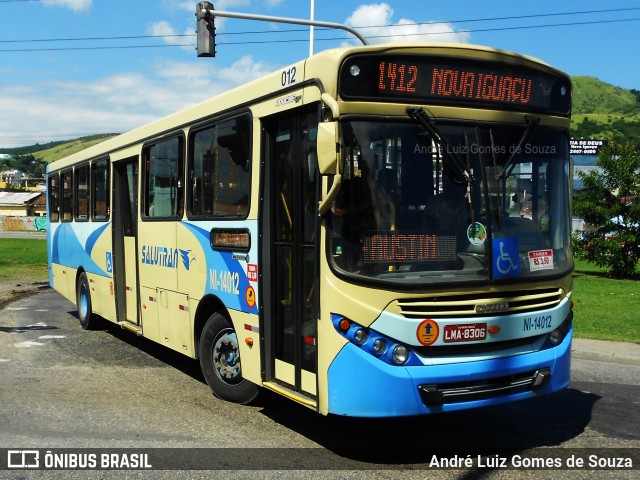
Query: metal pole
{"points": [[297, 21], [311, 28]]}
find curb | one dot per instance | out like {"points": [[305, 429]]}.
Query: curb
{"points": [[606, 357]]}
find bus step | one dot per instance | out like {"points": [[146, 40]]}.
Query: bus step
{"points": [[296, 396], [132, 327]]}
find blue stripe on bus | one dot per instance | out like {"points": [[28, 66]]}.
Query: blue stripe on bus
{"points": [[360, 385], [93, 238], [68, 251]]}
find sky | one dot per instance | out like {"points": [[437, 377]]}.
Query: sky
{"points": [[70, 68]]}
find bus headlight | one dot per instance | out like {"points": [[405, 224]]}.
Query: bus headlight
{"points": [[376, 344], [379, 346], [400, 354], [555, 337], [360, 336]]}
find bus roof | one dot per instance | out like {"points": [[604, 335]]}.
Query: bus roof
{"points": [[322, 66]]}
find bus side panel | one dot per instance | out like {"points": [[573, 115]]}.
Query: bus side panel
{"points": [[174, 321], [159, 257], [99, 248], [59, 275], [71, 248], [227, 273], [248, 332], [85, 246], [166, 314], [102, 299], [229, 276], [150, 322], [57, 272]]}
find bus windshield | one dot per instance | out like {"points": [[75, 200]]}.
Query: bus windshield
{"points": [[454, 203]]}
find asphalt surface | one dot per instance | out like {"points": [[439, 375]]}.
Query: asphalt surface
{"points": [[65, 388]]}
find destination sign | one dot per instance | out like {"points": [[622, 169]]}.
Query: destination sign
{"points": [[238, 239], [454, 81], [393, 247]]}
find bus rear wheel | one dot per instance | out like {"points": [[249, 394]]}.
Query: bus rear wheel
{"points": [[220, 362], [88, 320]]}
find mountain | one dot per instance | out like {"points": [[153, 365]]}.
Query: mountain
{"points": [[604, 111], [49, 152], [593, 96]]}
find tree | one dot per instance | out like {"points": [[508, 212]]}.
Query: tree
{"points": [[30, 165], [610, 201]]}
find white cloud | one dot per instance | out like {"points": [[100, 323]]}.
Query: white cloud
{"points": [[116, 103], [161, 28], [378, 27], [171, 36], [75, 5]]}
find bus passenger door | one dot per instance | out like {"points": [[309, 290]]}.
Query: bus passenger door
{"points": [[125, 230], [290, 251]]}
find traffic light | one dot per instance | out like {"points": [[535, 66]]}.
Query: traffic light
{"points": [[206, 31]]}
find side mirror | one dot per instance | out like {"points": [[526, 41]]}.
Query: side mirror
{"points": [[327, 147], [329, 162]]}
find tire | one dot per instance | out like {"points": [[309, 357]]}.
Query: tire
{"points": [[88, 320], [220, 362]]}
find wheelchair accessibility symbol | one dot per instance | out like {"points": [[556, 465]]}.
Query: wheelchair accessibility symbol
{"points": [[506, 257]]}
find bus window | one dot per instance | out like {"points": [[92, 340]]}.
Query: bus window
{"points": [[53, 190], [82, 193], [220, 169], [100, 179], [67, 196], [406, 213], [163, 179]]}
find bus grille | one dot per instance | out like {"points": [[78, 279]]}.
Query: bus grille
{"points": [[433, 395], [478, 304]]}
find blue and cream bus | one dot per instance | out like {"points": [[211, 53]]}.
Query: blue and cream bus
{"points": [[373, 231]]}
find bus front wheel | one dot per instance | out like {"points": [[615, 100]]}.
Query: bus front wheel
{"points": [[220, 362]]}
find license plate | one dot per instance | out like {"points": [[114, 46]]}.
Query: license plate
{"points": [[470, 332]]}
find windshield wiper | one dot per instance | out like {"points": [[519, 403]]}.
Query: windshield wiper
{"points": [[532, 123], [418, 115]]}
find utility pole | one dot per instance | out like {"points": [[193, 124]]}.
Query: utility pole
{"points": [[312, 18]]}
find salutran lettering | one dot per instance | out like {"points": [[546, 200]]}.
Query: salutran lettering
{"points": [[160, 256]]}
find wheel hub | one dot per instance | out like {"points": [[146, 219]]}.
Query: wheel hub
{"points": [[226, 358]]}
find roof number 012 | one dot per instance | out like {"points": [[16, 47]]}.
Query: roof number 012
{"points": [[288, 77]]}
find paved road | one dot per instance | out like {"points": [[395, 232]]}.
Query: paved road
{"points": [[25, 234], [62, 387]]}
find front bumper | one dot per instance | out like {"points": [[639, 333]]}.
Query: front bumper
{"points": [[362, 386]]}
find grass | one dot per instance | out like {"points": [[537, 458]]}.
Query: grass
{"points": [[23, 259], [605, 309], [60, 151]]}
